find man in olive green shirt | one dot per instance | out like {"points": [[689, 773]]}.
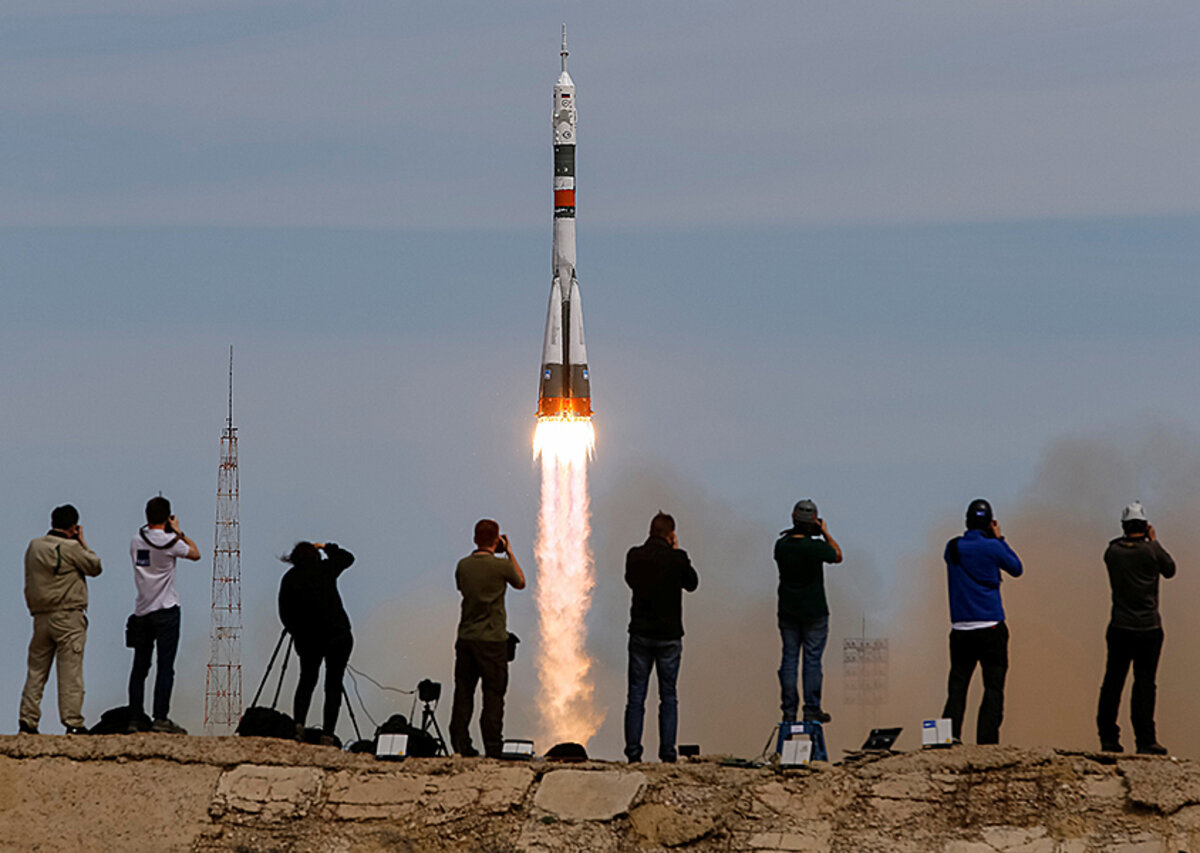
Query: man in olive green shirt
{"points": [[481, 650], [57, 567]]}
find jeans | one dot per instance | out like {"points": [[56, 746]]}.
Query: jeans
{"points": [[664, 656], [1142, 649], [161, 628], [987, 647], [475, 661], [811, 636], [335, 652]]}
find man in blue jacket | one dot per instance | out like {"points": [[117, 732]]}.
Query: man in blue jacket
{"points": [[978, 634]]}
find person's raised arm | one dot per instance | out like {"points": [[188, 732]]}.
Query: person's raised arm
{"points": [[837, 549], [518, 578], [1009, 561], [88, 561], [339, 559], [1166, 565], [193, 552]]}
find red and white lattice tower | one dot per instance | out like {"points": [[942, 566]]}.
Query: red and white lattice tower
{"points": [[223, 685]]}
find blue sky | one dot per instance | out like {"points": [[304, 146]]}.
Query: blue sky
{"points": [[887, 256]]}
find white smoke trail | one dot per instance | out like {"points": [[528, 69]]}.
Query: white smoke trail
{"points": [[565, 580]]}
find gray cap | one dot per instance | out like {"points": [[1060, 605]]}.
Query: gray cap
{"points": [[804, 510]]}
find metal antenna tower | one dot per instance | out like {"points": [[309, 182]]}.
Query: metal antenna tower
{"points": [[223, 684]]}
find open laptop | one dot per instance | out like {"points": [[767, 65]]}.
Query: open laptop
{"points": [[882, 738]]}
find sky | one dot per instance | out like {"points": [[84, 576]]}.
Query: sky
{"points": [[891, 257]]}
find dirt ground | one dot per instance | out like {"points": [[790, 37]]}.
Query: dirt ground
{"points": [[164, 793]]}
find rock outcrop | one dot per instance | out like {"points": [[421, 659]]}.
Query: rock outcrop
{"points": [[213, 795]]}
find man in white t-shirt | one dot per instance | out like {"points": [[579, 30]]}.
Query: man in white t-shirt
{"points": [[155, 619]]}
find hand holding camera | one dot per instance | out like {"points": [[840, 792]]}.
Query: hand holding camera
{"points": [[502, 544]]}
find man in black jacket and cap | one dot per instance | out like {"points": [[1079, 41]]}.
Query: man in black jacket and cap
{"points": [[658, 572], [311, 610]]}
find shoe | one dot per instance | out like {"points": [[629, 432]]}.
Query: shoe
{"points": [[330, 740], [1155, 748], [1111, 746], [817, 716], [956, 741], [77, 730], [26, 729], [789, 718], [167, 727], [469, 752]]}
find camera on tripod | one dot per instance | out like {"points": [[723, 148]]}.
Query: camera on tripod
{"points": [[429, 691]]}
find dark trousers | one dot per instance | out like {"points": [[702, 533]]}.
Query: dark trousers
{"points": [[335, 652], [158, 628], [809, 637], [1142, 649], [987, 647], [663, 656], [476, 660]]}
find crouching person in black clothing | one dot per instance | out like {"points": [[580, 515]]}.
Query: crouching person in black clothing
{"points": [[311, 610]]}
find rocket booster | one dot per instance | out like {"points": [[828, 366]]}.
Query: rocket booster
{"points": [[564, 390]]}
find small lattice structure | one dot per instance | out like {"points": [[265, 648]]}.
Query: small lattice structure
{"points": [[223, 683]]}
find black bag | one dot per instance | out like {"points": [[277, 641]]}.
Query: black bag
{"points": [[420, 744], [513, 639], [266, 722], [121, 721]]}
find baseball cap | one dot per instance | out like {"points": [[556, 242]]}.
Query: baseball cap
{"points": [[1134, 512], [979, 514], [804, 510]]}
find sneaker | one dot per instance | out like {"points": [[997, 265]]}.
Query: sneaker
{"points": [[77, 730], [26, 729], [469, 752], [329, 740], [817, 716], [1155, 748], [1111, 746], [167, 727], [789, 718]]}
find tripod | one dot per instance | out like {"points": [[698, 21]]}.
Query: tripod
{"points": [[429, 721]]}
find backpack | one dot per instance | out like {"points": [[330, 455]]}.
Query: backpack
{"points": [[121, 721], [266, 722]]}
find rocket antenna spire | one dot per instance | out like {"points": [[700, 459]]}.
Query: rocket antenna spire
{"points": [[563, 52]]}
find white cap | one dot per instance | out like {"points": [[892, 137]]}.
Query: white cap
{"points": [[1133, 512]]}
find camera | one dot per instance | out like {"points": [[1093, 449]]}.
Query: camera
{"points": [[429, 691], [501, 544]]}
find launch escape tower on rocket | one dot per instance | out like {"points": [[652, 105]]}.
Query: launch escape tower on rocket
{"points": [[564, 391]]}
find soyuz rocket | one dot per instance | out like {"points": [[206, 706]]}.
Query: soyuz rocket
{"points": [[564, 390]]}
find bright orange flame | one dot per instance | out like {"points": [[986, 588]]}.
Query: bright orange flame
{"points": [[565, 579]]}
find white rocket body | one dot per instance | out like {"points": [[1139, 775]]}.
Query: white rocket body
{"points": [[565, 388]]}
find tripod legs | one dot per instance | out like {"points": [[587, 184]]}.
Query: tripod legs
{"points": [[428, 720]]}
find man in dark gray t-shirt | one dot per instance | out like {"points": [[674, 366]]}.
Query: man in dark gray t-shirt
{"points": [[1135, 562]]}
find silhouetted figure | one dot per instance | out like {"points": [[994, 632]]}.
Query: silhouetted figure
{"points": [[803, 613], [978, 634], [1135, 635], [658, 571], [311, 610], [481, 651]]}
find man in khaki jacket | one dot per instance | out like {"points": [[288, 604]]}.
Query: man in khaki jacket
{"points": [[57, 566]]}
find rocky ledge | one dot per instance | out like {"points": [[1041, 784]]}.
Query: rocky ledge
{"points": [[163, 793]]}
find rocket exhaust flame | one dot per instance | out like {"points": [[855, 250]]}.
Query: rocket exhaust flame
{"points": [[565, 580]]}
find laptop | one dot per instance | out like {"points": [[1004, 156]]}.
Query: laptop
{"points": [[882, 738]]}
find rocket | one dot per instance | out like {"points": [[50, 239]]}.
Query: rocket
{"points": [[564, 390]]}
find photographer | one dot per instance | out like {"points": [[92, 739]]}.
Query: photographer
{"points": [[310, 607], [978, 632], [481, 651], [803, 613], [57, 567], [155, 620]]}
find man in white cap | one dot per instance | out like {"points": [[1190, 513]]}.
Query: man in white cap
{"points": [[1135, 635]]}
